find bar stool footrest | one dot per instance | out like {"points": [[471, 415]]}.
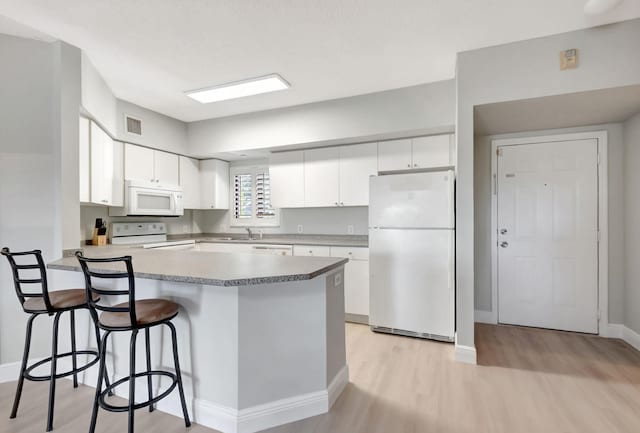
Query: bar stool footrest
{"points": [[27, 373], [110, 389]]}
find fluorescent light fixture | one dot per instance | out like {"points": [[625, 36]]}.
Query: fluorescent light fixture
{"points": [[239, 89]]}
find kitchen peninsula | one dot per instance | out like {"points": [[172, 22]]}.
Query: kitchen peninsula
{"points": [[262, 342]]}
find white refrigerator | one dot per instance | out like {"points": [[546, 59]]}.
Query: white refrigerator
{"points": [[412, 255]]}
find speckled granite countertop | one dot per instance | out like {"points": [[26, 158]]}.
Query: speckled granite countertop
{"points": [[210, 268], [284, 239]]}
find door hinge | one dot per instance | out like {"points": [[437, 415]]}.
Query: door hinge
{"points": [[598, 237], [598, 159], [599, 315], [499, 151]]}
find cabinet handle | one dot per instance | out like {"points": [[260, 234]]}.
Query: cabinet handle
{"points": [[336, 203], [409, 165], [341, 203], [415, 165], [310, 252]]}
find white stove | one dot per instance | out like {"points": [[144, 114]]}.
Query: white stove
{"points": [[138, 233]]}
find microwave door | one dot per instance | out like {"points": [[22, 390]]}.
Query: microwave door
{"points": [[153, 203]]}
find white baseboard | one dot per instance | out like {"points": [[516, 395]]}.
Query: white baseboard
{"points": [[337, 385], [465, 354], [616, 330], [9, 372], [482, 316]]}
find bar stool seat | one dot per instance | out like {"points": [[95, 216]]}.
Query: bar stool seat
{"points": [[148, 313], [60, 300]]}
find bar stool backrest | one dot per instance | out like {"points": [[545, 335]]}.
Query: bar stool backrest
{"points": [[19, 280], [98, 306]]}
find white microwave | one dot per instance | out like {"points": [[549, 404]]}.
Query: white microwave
{"points": [[150, 199]]}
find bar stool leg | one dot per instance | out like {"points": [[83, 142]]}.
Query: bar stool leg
{"points": [[132, 377], [23, 367], [174, 341], [102, 374], [149, 383], [105, 374], [74, 360], [54, 362]]}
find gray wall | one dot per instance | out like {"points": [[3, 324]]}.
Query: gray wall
{"points": [[424, 108], [631, 219], [523, 70], [38, 91], [482, 215], [158, 131]]}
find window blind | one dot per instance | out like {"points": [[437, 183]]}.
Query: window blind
{"points": [[243, 196], [263, 196]]}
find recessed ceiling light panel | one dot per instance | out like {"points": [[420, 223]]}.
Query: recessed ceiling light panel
{"points": [[239, 89]]}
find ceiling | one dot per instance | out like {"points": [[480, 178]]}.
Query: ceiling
{"points": [[561, 111], [150, 52]]}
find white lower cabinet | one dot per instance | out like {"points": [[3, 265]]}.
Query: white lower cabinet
{"points": [[356, 276], [356, 282]]}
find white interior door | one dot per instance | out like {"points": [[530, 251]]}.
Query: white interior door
{"points": [[547, 235]]}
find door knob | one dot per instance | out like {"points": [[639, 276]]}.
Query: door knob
{"points": [[503, 231], [504, 244]]}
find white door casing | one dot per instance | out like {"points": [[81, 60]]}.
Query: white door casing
{"points": [[545, 221]]}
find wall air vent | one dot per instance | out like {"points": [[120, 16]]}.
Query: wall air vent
{"points": [[133, 125]]}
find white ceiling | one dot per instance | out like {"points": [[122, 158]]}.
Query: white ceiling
{"points": [[151, 51], [559, 111]]}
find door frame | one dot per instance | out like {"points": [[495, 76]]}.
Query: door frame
{"points": [[603, 217]]}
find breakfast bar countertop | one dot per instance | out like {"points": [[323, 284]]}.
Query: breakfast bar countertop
{"points": [[209, 268]]}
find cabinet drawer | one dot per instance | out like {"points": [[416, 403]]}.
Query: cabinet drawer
{"points": [[277, 250], [357, 253], [311, 250]]}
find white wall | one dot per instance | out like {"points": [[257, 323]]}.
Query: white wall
{"points": [[97, 98], [524, 70], [158, 131], [631, 219], [482, 215], [425, 108], [36, 89]]}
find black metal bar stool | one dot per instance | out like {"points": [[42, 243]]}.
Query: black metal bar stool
{"points": [[131, 316], [54, 303]]}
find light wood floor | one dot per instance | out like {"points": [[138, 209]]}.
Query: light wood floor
{"points": [[528, 380]]}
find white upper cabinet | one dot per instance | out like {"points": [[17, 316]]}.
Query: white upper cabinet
{"points": [[84, 157], [138, 163], [357, 163], [394, 155], [322, 177], [151, 165], [107, 185], [190, 182], [416, 153], [433, 151], [214, 184], [166, 167], [286, 172]]}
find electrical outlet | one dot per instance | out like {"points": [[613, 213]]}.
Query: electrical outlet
{"points": [[350, 229], [300, 229], [186, 228]]}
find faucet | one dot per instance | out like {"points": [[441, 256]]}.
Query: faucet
{"points": [[249, 232]]}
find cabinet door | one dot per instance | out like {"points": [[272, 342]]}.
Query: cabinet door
{"points": [[216, 247], [394, 155], [117, 171], [100, 158], [356, 280], [138, 163], [84, 156], [357, 163], [322, 177], [166, 168], [433, 151], [286, 172], [214, 184], [311, 251], [190, 182]]}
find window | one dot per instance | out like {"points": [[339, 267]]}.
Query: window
{"points": [[251, 196]]}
